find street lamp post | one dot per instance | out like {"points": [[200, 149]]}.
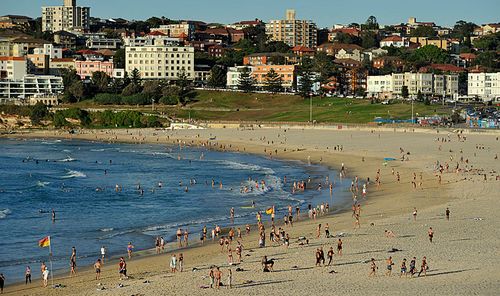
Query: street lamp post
{"points": [[412, 121]]}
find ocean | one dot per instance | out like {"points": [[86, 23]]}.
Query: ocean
{"points": [[78, 180]]}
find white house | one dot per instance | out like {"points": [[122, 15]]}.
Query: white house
{"points": [[484, 85], [394, 41], [379, 86]]}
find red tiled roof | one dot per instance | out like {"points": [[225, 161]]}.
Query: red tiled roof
{"points": [[352, 31], [62, 60], [12, 58], [87, 52], [302, 48], [392, 38], [468, 56], [443, 67], [157, 33], [339, 46]]}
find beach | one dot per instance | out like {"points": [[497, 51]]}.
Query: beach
{"points": [[462, 258]]}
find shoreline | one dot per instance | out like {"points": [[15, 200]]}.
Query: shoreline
{"points": [[381, 201]]}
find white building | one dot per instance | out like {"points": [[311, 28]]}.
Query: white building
{"points": [[103, 43], [484, 85], [160, 62], [12, 90], [151, 39], [50, 50], [354, 54], [428, 84], [68, 17], [13, 67], [233, 76], [394, 41], [379, 86], [181, 30]]}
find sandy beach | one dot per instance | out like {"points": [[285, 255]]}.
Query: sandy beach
{"points": [[463, 258]]}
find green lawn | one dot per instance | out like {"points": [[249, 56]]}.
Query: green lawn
{"points": [[233, 106]]}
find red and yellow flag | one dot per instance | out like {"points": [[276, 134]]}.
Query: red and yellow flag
{"points": [[270, 211], [44, 242]]}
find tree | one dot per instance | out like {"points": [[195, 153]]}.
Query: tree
{"points": [[119, 59], [360, 92], [347, 38], [131, 89], [69, 76], [77, 91], [185, 85], [323, 64], [370, 24], [246, 82], [100, 81], [38, 112], [423, 31], [273, 81], [277, 59], [488, 59], [404, 92], [136, 77], [305, 84], [429, 54], [170, 95], [218, 77], [369, 39], [488, 42], [152, 90]]}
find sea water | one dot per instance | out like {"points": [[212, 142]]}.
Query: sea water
{"points": [[78, 180]]}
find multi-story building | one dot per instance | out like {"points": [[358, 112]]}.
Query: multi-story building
{"points": [[160, 62], [86, 68], [57, 65], [68, 17], [427, 84], [246, 24], [292, 31], [38, 64], [103, 43], [233, 76], [13, 67], [332, 49], [153, 38], [181, 30], [13, 90], [286, 72], [484, 85], [354, 54], [267, 58], [50, 50], [439, 42]]}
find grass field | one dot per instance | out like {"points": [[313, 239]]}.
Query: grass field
{"points": [[234, 106]]}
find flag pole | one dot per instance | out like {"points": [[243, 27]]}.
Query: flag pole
{"points": [[50, 261]]}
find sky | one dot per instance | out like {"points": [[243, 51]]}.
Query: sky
{"points": [[324, 12]]}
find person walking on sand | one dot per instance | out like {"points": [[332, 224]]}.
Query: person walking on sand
{"points": [[430, 232], [423, 267], [122, 268], [72, 262], [413, 264], [97, 268], [414, 214], [45, 274], [373, 268], [327, 230], [103, 253], [179, 236], [447, 213], [330, 255], [403, 268], [218, 277], [180, 261], [173, 263], [339, 247], [130, 247], [186, 237], [2, 282], [318, 231], [211, 275], [27, 275], [389, 266]]}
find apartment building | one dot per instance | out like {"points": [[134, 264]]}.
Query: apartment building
{"points": [[153, 38], [68, 17], [13, 90], [50, 50], [13, 67], [444, 44], [182, 30], [103, 43], [286, 72], [160, 62], [484, 85], [38, 64], [233, 76], [292, 31], [86, 68], [428, 84], [394, 41], [57, 65]]}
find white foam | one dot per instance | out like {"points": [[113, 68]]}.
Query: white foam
{"points": [[247, 167], [74, 174], [106, 229], [42, 184], [4, 213], [67, 159]]}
